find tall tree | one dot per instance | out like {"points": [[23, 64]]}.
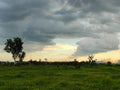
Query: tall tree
{"points": [[15, 47]]}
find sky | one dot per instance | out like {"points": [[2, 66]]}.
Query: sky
{"points": [[62, 30]]}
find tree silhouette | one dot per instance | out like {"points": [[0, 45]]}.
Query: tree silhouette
{"points": [[14, 46], [21, 56], [91, 59]]}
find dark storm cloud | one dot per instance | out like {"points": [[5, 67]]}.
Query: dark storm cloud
{"points": [[38, 36], [95, 6], [41, 21], [19, 10], [66, 15]]}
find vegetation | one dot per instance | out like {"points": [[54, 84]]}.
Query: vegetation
{"points": [[14, 46], [21, 56], [91, 59], [64, 77]]}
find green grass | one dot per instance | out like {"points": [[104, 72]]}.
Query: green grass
{"points": [[100, 77]]}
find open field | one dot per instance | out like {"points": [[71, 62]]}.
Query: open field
{"points": [[51, 77]]}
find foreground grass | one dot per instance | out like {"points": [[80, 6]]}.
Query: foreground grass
{"points": [[40, 77]]}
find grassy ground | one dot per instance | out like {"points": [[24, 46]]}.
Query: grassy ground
{"points": [[100, 77]]}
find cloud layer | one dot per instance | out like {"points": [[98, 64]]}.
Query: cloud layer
{"points": [[42, 21], [87, 46]]}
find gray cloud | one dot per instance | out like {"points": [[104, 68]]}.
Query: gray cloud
{"points": [[38, 36], [95, 6], [19, 10], [41, 21], [104, 43]]}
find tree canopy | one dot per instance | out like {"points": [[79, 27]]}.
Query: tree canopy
{"points": [[15, 47]]}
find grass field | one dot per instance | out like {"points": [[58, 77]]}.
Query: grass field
{"points": [[51, 77]]}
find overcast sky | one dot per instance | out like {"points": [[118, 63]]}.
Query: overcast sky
{"points": [[91, 26]]}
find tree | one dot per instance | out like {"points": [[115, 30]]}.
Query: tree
{"points": [[109, 63], [21, 56], [15, 47], [91, 59]]}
